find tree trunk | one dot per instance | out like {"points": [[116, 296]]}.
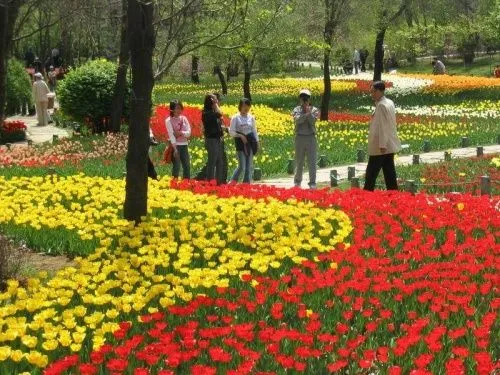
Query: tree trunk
{"points": [[327, 84], [246, 78], [8, 16], [121, 74], [379, 55], [222, 79], [195, 76], [142, 41]]}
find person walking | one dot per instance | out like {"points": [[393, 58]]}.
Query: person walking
{"points": [[305, 116], [244, 131], [214, 139], [363, 55], [40, 91], [383, 141], [356, 61], [179, 132]]}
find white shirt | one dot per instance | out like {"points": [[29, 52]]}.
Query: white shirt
{"points": [[383, 129], [40, 91], [243, 125], [356, 56]]}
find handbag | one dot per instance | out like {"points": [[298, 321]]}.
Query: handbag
{"points": [[168, 155]]}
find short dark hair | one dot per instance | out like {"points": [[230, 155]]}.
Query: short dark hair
{"points": [[379, 85], [244, 101], [208, 103], [174, 104]]}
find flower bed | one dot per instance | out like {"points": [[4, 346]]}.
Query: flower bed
{"points": [[406, 284], [12, 131]]}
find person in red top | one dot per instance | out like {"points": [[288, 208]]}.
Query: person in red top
{"points": [[497, 71]]}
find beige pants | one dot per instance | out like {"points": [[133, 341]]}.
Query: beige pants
{"points": [[42, 113]]}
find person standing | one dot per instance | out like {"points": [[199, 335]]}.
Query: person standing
{"points": [[214, 139], [179, 131], [52, 78], [438, 67], [305, 116], [356, 61], [363, 55], [40, 91], [244, 131], [383, 141]]}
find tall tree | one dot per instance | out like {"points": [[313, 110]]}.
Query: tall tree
{"points": [[121, 73], [9, 10], [142, 43], [334, 11], [384, 21]]}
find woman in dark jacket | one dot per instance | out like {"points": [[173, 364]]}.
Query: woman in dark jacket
{"points": [[214, 138]]}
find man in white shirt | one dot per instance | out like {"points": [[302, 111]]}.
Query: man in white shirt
{"points": [[383, 141], [40, 91]]}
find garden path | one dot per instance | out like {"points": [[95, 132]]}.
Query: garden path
{"points": [[323, 175], [39, 134]]}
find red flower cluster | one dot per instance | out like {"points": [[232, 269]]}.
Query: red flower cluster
{"points": [[193, 114], [415, 293], [13, 127]]}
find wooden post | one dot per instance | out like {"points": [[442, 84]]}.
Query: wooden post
{"points": [[291, 166], [416, 159], [257, 174], [427, 146], [322, 161], [351, 173], [410, 186], [360, 157], [485, 185], [465, 142], [355, 183], [334, 178], [55, 138], [30, 142], [480, 151], [447, 156]]}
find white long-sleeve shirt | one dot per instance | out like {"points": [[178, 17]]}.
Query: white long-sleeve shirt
{"points": [[40, 91], [383, 129], [243, 125], [181, 124]]}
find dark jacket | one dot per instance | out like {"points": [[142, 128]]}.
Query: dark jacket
{"points": [[212, 124], [252, 143]]}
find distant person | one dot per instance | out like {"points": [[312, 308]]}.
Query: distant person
{"points": [[40, 91], [37, 64], [383, 141], [213, 130], [347, 66], [356, 61], [438, 67], [244, 131], [29, 58], [151, 167], [52, 78], [305, 116], [179, 131], [497, 71], [363, 55]]}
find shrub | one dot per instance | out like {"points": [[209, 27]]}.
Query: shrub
{"points": [[18, 87], [86, 93]]}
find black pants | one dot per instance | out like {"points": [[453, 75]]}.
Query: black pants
{"points": [[375, 164], [363, 65], [151, 170], [182, 159]]}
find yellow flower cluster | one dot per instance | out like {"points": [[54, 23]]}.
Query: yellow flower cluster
{"points": [[264, 86], [445, 84], [496, 162], [191, 242]]}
